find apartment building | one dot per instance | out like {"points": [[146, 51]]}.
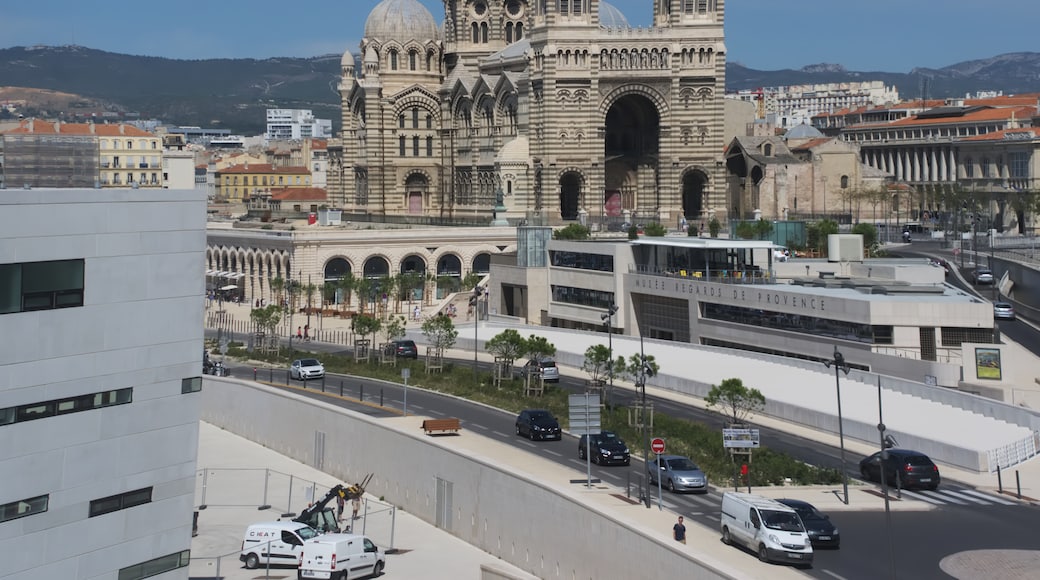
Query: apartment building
{"points": [[241, 182], [790, 106], [126, 155], [296, 124], [101, 295]]}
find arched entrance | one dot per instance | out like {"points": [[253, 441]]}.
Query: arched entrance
{"points": [[693, 185], [449, 275], [632, 145], [570, 195], [376, 267], [336, 271], [416, 186], [482, 263], [413, 277]]}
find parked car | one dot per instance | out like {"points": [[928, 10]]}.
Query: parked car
{"points": [[306, 369], [606, 448], [677, 473], [1003, 311], [822, 533], [915, 469], [404, 348], [982, 276], [537, 424], [545, 368]]}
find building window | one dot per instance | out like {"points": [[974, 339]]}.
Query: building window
{"points": [[393, 60], [415, 117], [42, 410], [192, 385], [400, 121], [25, 507], [413, 60], [400, 145], [415, 146], [429, 121], [41, 286], [429, 146], [156, 566], [122, 501], [582, 296]]}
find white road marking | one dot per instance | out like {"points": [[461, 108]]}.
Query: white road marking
{"points": [[921, 497], [954, 497], [553, 453], [988, 496], [833, 575], [500, 434], [479, 426], [704, 501]]}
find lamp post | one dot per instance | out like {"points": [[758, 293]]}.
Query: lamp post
{"points": [[474, 301], [886, 443], [839, 364], [608, 318], [645, 370]]}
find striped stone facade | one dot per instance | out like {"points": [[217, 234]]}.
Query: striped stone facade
{"points": [[560, 107]]}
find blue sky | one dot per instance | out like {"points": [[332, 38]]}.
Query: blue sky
{"points": [[881, 35]]}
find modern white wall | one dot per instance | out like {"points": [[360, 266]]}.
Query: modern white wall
{"points": [[141, 327]]}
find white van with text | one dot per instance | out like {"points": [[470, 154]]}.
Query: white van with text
{"points": [[274, 543], [341, 557], [766, 527]]}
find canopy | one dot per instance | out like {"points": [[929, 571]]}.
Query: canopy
{"points": [[229, 287]]}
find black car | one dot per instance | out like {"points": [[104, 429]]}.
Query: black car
{"points": [[606, 448], [537, 424], [822, 533], [905, 468], [404, 348]]}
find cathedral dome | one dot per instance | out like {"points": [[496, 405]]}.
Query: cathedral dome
{"points": [[402, 21], [611, 17], [347, 60], [516, 150]]}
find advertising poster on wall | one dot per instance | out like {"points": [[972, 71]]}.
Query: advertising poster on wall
{"points": [[987, 363]]}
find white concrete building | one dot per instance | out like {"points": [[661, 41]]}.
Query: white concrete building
{"points": [[797, 104], [296, 124], [101, 310]]}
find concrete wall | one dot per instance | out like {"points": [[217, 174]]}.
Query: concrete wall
{"points": [[513, 516]]}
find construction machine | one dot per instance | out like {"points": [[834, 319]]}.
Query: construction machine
{"points": [[322, 518]]}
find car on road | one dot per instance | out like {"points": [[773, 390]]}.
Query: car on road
{"points": [[538, 424], [982, 276], [404, 349], [905, 468], [605, 447], [545, 368], [822, 533], [306, 369], [1003, 311], [677, 473]]}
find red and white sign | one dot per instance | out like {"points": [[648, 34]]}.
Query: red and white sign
{"points": [[657, 445]]}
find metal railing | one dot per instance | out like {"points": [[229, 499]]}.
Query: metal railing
{"points": [[722, 275], [1012, 453]]}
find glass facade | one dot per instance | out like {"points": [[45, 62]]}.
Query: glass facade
{"points": [[798, 323], [581, 261], [582, 296]]}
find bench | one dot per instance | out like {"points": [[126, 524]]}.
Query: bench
{"points": [[441, 425]]}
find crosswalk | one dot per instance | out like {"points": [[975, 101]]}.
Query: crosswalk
{"points": [[955, 496]]}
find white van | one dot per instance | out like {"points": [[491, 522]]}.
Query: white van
{"points": [[765, 526], [341, 557], [274, 543]]}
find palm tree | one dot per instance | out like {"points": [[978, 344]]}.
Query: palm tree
{"points": [[328, 293], [364, 287], [390, 285], [277, 285], [309, 290], [347, 283]]}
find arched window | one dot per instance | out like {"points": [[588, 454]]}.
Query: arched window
{"points": [[484, 32], [413, 60], [400, 121], [415, 146], [509, 32], [476, 33], [767, 150], [393, 60], [519, 31], [429, 61], [429, 146], [415, 117], [844, 181], [429, 121]]}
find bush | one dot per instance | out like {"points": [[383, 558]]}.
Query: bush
{"points": [[572, 232], [655, 230]]}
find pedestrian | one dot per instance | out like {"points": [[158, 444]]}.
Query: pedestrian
{"points": [[356, 505], [299, 332], [679, 531], [340, 504], [307, 332], [416, 313]]}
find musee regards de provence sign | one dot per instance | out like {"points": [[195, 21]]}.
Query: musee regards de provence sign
{"points": [[740, 438], [758, 297]]}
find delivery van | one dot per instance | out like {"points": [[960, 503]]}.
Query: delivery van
{"points": [[766, 527], [341, 557], [274, 543]]}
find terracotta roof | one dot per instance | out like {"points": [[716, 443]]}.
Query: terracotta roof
{"points": [[38, 127], [261, 168], [1023, 100], [1027, 134], [982, 115], [299, 194], [813, 143], [319, 144]]}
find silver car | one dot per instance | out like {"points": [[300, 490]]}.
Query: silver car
{"points": [[677, 473], [546, 368], [306, 369], [1003, 311]]}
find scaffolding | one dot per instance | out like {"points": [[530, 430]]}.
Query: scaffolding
{"points": [[59, 161]]}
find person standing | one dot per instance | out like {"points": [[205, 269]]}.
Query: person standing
{"points": [[340, 504], [356, 505], [679, 531]]}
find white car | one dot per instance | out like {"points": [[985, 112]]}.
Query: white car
{"points": [[306, 369]]}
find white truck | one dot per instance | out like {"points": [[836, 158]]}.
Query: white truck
{"points": [[765, 526], [341, 557], [274, 543]]}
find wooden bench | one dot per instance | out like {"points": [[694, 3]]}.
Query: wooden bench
{"points": [[441, 425]]}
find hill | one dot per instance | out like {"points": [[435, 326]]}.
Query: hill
{"points": [[234, 93]]}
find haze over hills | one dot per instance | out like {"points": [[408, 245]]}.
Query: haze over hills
{"points": [[234, 93]]}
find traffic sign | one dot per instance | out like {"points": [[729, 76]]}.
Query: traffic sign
{"points": [[657, 445]]}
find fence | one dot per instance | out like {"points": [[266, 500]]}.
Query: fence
{"points": [[1012, 453], [261, 494], [246, 330]]}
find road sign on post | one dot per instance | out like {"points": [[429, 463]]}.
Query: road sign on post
{"points": [[585, 420], [657, 445]]}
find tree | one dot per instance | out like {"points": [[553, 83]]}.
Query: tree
{"points": [[597, 363], [365, 325], [714, 227], [763, 228], [277, 284], [440, 332], [267, 318], [346, 283], [538, 348], [633, 232], [509, 346], [734, 400], [572, 232], [634, 366], [409, 283], [655, 230], [393, 328], [470, 281], [328, 292], [869, 233], [817, 232], [309, 290], [745, 230], [364, 288]]}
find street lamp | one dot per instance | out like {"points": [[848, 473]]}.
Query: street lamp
{"points": [[474, 302], [645, 370], [839, 364], [608, 319]]}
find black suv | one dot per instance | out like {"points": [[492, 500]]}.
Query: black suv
{"points": [[404, 348], [915, 469], [606, 448], [537, 424]]}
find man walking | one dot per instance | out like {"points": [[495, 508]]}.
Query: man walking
{"points": [[679, 531]]}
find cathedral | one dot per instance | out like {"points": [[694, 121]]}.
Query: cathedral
{"points": [[551, 108]]}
